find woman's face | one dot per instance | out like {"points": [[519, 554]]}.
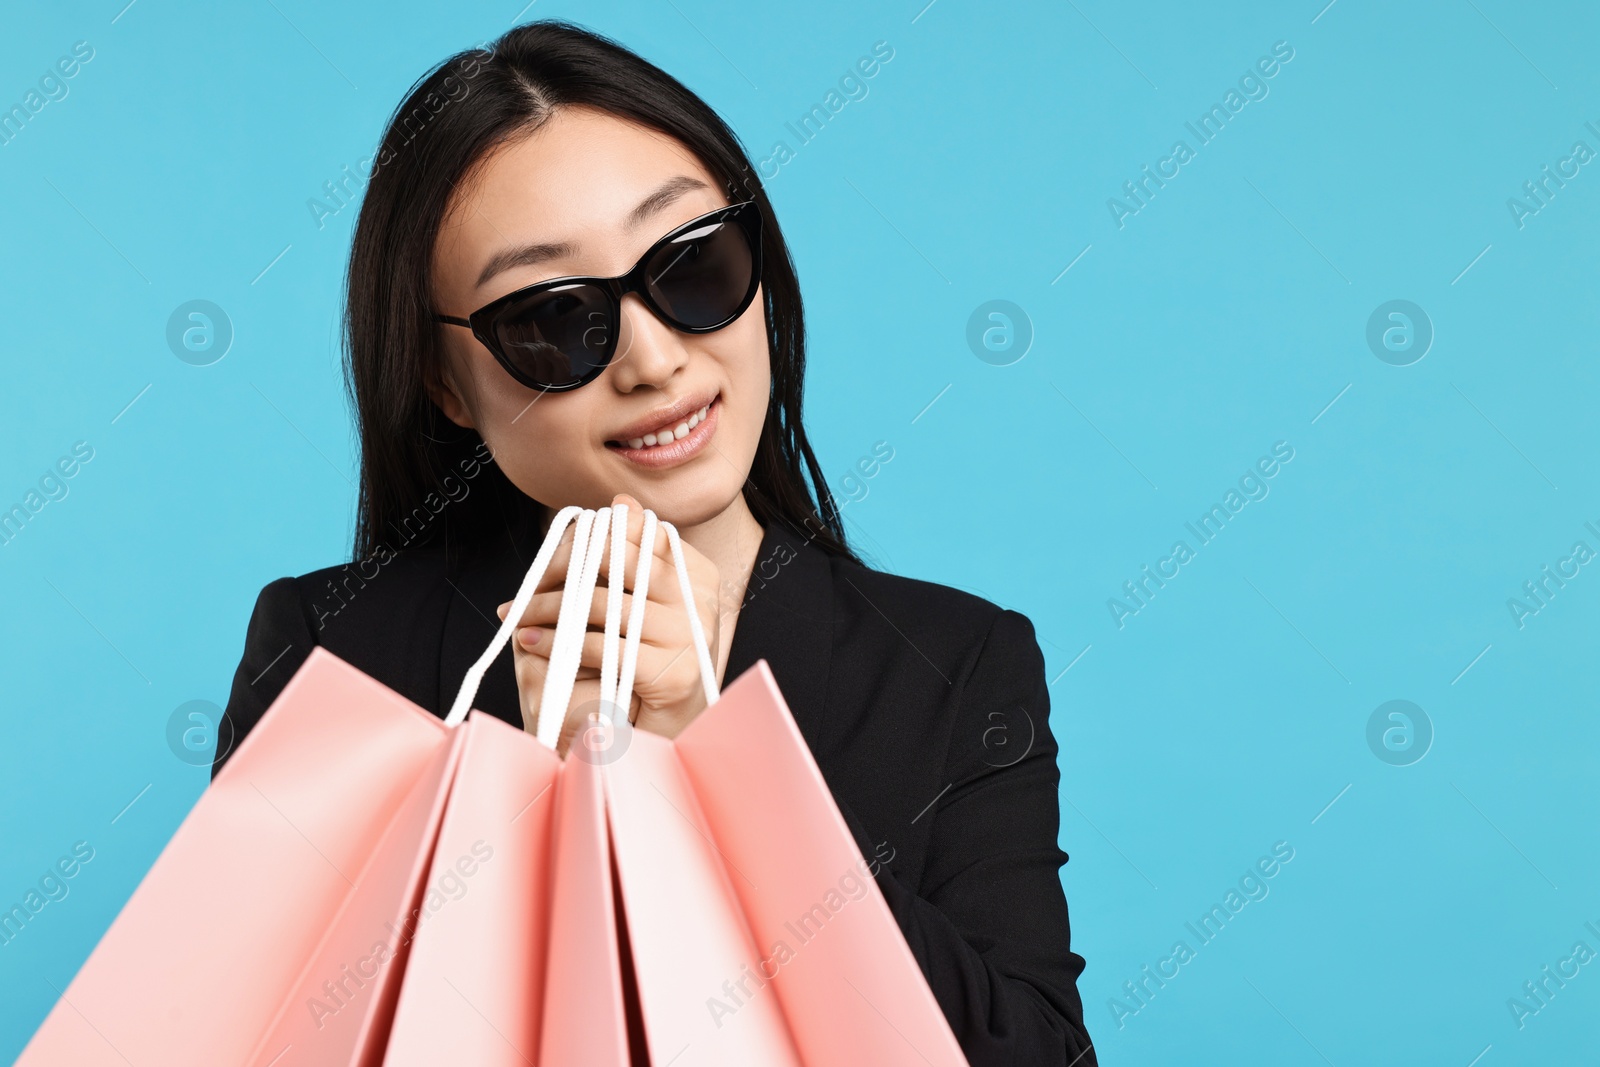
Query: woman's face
{"points": [[604, 190]]}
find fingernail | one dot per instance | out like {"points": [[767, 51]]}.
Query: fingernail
{"points": [[501, 610], [529, 636]]}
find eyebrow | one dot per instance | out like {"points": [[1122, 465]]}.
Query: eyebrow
{"points": [[666, 194]]}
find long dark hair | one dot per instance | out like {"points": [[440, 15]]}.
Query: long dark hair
{"points": [[423, 477]]}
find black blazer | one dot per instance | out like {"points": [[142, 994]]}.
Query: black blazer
{"points": [[924, 706]]}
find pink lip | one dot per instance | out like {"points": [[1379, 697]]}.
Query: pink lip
{"points": [[660, 457]]}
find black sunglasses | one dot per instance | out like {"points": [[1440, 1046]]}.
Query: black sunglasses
{"points": [[562, 333]]}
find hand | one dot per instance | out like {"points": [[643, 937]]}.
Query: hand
{"points": [[667, 693]]}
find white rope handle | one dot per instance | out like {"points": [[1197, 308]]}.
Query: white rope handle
{"points": [[590, 535], [572, 623], [623, 697], [530, 582], [708, 670], [619, 556]]}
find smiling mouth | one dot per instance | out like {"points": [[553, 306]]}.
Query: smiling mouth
{"points": [[668, 434]]}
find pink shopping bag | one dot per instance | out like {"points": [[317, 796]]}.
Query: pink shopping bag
{"points": [[585, 1010], [756, 931], [308, 834], [662, 923], [276, 925], [831, 950], [462, 977], [687, 932], [339, 1009], [473, 987]]}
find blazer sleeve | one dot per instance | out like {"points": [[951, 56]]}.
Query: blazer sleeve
{"points": [[988, 924], [276, 643]]}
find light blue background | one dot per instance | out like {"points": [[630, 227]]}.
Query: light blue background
{"points": [[1223, 317]]}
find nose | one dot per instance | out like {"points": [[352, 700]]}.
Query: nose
{"points": [[649, 352]]}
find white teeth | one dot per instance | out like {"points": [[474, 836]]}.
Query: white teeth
{"points": [[676, 433]]}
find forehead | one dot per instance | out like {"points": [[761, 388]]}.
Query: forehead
{"points": [[582, 169]]}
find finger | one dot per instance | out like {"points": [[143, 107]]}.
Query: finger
{"points": [[662, 672], [662, 611], [660, 551], [634, 526], [580, 710], [539, 620], [706, 588], [531, 672], [535, 641], [555, 574], [544, 608], [663, 579], [542, 612], [671, 641], [532, 664], [664, 588], [660, 631]]}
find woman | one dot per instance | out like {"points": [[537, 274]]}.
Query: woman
{"points": [[671, 379]]}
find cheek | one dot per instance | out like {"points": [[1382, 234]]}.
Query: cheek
{"points": [[541, 441], [504, 408], [746, 382], [749, 371], [491, 390], [547, 458], [553, 426]]}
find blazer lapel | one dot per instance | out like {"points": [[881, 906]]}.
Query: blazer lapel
{"points": [[787, 620]]}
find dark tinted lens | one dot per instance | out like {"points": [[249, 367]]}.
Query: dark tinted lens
{"points": [[701, 277], [557, 337]]}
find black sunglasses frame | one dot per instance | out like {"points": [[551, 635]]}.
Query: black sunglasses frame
{"points": [[747, 215]]}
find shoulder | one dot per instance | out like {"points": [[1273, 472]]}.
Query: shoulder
{"points": [[906, 687], [991, 673], [346, 594], [948, 626], [377, 614], [384, 616], [919, 604]]}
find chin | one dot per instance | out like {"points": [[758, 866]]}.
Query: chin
{"points": [[686, 501]]}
